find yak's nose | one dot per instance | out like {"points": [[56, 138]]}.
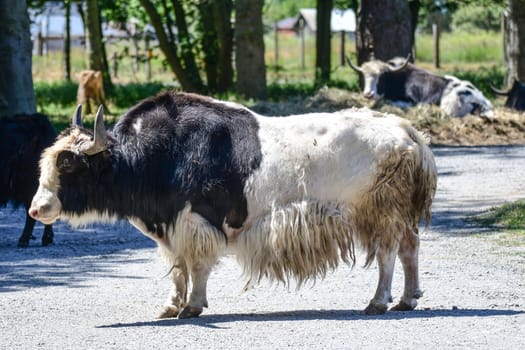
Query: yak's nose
{"points": [[37, 211], [33, 212], [369, 94]]}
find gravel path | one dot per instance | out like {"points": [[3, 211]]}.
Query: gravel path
{"points": [[100, 287]]}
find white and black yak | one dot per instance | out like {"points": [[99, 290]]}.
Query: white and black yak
{"points": [[291, 196]]}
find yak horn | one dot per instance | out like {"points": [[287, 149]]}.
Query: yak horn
{"points": [[77, 117], [356, 68], [403, 66], [100, 137], [499, 92]]}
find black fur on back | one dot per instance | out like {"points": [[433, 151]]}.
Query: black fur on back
{"points": [[412, 85], [168, 150]]}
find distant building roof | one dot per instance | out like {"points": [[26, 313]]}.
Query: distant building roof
{"points": [[341, 20], [287, 24]]}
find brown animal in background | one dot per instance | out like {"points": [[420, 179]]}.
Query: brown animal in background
{"points": [[91, 86]]}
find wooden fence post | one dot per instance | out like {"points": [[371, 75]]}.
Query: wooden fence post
{"points": [[149, 56], [301, 31], [342, 49], [276, 44], [435, 35], [114, 61]]}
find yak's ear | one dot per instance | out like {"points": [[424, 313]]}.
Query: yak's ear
{"points": [[77, 117]]}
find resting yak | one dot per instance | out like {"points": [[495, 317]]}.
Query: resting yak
{"points": [[22, 139], [291, 196], [402, 82]]}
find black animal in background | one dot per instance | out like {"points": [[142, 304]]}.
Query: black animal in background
{"points": [[22, 140], [515, 96]]}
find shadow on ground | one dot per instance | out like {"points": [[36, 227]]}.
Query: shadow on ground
{"points": [[216, 321]]}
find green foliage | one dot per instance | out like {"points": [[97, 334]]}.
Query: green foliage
{"points": [[57, 92], [275, 10], [474, 17], [509, 216], [58, 99], [127, 95], [483, 77], [279, 92]]}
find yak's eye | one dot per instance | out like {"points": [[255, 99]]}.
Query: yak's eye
{"points": [[68, 162]]}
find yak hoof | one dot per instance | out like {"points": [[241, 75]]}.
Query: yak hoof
{"points": [[47, 241], [169, 312], [375, 308], [190, 312], [23, 243], [402, 306]]}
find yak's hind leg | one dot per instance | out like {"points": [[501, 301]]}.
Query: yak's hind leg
{"points": [[386, 257], [176, 305], [177, 298], [198, 300], [408, 254]]}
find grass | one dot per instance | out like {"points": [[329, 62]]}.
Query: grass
{"points": [[510, 216], [462, 47]]}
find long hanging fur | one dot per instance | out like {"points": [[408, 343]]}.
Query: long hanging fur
{"points": [[306, 239]]}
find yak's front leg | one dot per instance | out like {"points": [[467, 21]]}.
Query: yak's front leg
{"points": [[27, 233], [408, 254], [386, 258], [47, 237], [198, 300], [177, 298]]}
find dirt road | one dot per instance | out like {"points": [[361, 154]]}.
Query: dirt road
{"points": [[100, 287]]}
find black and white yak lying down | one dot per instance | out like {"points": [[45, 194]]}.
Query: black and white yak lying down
{"points": [[292, 196], [402, 82]]}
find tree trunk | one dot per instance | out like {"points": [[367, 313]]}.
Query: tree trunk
{"points": [[414, 6], [187, 81], [217, 43], [209, 44], [185, 44], [67, 42], [221, 17], [384, 30], [515, 28], [16, 81], [249, 49], [94, 48], [322, 44]]}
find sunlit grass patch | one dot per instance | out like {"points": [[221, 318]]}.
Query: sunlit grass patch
{"points": [[509, 216]]}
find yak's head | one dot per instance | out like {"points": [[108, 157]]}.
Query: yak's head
{"points": [[73, 157], [515, 95], [461, 98], [373, 70]]}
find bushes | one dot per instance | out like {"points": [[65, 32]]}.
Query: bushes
{"points": [[473, 17]]}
